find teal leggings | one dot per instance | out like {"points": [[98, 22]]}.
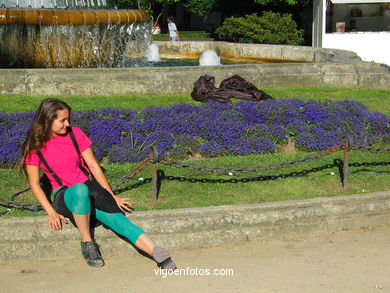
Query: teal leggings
{"points": [[78, 202]]}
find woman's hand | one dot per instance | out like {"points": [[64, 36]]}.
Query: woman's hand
{"points": [[123, 203], [55, 221]]}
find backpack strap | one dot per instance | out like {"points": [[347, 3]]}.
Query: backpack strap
{"points": [[82, 168], [57, 179], [76, 146]]}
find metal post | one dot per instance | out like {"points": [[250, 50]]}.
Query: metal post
{"points": [[155, 180], [318, 23], [346, 165]]}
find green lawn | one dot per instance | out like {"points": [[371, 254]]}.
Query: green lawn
{"points": [[375, 100], [183, 188], [16, 103], [185, 36]]}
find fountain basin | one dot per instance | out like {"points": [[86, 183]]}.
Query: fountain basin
{"points": [[52, 38], [315, 68], [70, 17], [260, 53]]}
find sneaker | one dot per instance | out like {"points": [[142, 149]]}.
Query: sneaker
{"points": [[163, 259], [91, 252]]}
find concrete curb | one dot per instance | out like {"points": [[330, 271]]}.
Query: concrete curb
{"points": [[32, 238]]}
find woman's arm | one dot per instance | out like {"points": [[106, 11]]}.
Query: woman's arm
{"points": [[97, 172], [54, 219]]}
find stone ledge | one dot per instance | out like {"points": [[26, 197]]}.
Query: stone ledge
{"points": [[165, 80], [31, 237], [281, 53]]}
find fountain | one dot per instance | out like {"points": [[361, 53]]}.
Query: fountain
{"points": [[152, 53], [53, 34], [209, 58], [59, 40]]}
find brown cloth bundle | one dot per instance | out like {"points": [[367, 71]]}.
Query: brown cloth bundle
{"points": [[232, 87]]}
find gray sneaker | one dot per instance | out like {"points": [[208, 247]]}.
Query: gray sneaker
{"points": [[163, 259], [91, 252]]}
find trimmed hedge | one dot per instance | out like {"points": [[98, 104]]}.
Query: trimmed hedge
{"points": [[270, 28]]}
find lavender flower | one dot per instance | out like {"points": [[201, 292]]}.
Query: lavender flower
{"points": [[213, 129]]}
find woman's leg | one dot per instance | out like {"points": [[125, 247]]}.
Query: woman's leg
{"points": [[123, 226], [145, 244], [78, 202], [82, 222]]}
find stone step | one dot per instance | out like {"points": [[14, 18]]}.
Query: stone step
{"points": [[30, 237]]}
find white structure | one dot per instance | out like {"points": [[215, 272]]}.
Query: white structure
{"points": [[362, 26]]}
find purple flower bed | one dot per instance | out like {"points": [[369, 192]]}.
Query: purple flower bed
{"points": [[212, 129]]}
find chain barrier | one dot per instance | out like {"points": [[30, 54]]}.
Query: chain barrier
{"points": [[249, 178], [5, 212], [130, 175], [246, 169], [19, 193], [369, 170], [12, 204], [370, 149], [143, 181]]}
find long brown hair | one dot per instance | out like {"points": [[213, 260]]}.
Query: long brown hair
{"points": [[40, 128]]}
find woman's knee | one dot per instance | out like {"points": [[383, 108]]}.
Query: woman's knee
{"points": [[79, 191], [77, 199]]}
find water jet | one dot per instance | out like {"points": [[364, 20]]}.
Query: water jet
{"points": [[32, 37], [152, 53], [209, 58]]}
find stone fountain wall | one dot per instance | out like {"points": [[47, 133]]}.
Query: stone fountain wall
{"points": [[328, 68], [257, 53]]}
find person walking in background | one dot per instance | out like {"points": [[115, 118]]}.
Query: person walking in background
{"points": [[156, 29], [173, 32], [82, 193]]}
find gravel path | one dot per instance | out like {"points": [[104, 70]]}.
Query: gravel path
{"points": [[344, 261]]}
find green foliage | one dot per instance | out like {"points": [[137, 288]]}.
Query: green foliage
{"points": [[144, 4], [281, 2], [148, 5], [375, 100], [133, 4], [184, 36], [270, 28], [200, 7]]}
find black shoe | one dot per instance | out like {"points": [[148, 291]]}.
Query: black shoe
{"points": [[163, 259], [91, 252]]}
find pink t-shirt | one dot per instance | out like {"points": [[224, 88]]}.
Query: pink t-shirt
{"points": [[61, 155]]}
